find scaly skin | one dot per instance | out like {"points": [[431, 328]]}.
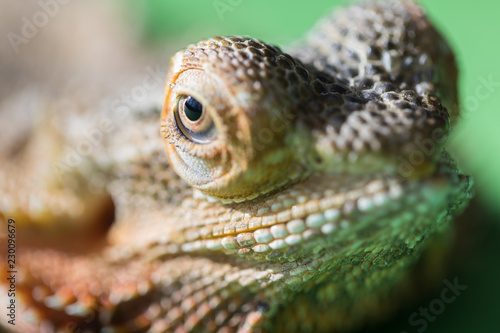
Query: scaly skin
{"points": [[312, 190]]}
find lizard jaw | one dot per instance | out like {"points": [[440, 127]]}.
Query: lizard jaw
{"points": [[333, 205]]}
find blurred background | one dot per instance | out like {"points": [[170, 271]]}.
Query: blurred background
{"points": [[77, 52]]}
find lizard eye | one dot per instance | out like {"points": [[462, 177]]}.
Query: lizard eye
{"points": [[193, 120]]}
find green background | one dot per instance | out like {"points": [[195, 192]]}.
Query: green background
{"points": [[472, 28]]}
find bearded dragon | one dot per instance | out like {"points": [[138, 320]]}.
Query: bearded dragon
{"points": [[301, 191]]}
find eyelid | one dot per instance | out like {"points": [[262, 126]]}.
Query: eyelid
{"points": [[196, 82]]}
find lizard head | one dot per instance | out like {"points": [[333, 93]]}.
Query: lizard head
{"points": [[229, 115], [345, 144], [347, 133], [243, 119]]}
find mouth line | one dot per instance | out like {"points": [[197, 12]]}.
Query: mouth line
{"points": [[328, 206]]}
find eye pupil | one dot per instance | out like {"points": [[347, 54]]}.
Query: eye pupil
{"points": [[193, 109]]}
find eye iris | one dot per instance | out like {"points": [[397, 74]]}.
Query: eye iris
{"points": [[193, 109], [193, 120]]}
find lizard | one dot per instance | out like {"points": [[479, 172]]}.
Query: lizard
{"points": [[274, 192]]}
